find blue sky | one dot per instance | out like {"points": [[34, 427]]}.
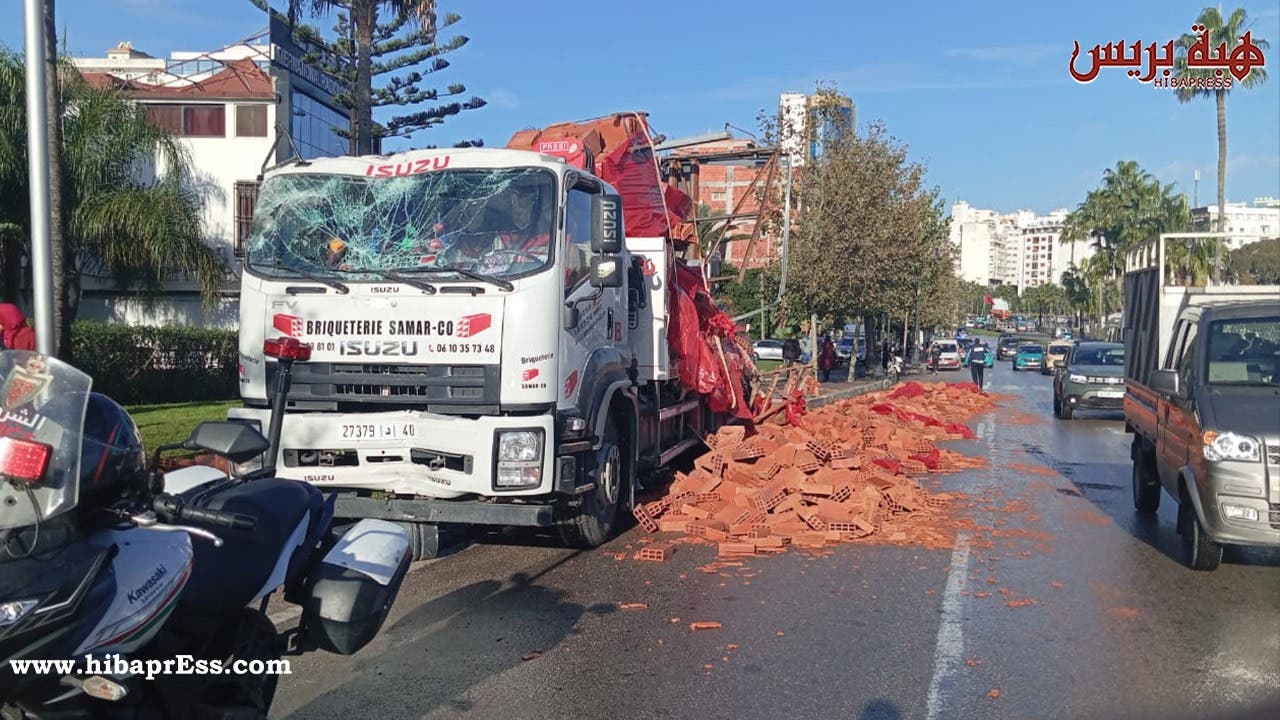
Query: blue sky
{"points": [[979, 91]]}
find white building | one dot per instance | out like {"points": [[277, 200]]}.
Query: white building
{"points": [[1247, 222], [800, 140], [1018, 248], [225, 107]]}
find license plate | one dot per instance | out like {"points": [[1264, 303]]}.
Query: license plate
{"points": [[1111, 394], [378, 431]]}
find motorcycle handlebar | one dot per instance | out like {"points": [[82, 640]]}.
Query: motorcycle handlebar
{"points": [[175, 510]]}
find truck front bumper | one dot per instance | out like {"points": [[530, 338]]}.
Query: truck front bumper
{"points": [[404, 452], [1241, 485]]}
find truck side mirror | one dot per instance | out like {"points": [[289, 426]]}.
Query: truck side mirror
{"points": [[606, 224], [1166, 381], [606, 271]]}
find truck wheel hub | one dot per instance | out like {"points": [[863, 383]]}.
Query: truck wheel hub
{"points": [[608, 479]]}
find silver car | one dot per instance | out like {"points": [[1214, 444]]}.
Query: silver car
{"points": [[766, 350]]}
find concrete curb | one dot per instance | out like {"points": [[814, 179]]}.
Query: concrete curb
{"points": [[862, 387]]}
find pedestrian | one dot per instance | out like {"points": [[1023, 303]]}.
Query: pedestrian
{"points": [[790, 351], [827, 359], [16, 333], [978, 362], [885, 350], [935, 354]]}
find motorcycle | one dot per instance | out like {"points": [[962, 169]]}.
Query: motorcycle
{"points": [[130, 592], [894, 374]]}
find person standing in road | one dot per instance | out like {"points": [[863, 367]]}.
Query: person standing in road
{"points": [[885, 350], [935, 354], [978, 362], [790, 351], [17, 334]]}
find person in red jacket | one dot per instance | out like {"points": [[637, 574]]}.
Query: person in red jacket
{"points": [[17, 334]]}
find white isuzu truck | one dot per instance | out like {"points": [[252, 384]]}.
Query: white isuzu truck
{"points": [[487, 348]]}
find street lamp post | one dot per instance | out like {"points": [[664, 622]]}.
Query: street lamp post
{"points": [[38, 169]]}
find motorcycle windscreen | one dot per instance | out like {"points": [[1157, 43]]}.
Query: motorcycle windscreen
{"points": [[42, 410]]}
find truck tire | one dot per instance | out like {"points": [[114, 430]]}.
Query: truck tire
{"points": [[1146, 486], [424, 539], [591, 520], [1199, 552]]}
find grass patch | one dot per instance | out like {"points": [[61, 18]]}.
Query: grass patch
{"points": [[172, 423]]}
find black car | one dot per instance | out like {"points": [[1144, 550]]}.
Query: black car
{"points": [[1007, 347]]}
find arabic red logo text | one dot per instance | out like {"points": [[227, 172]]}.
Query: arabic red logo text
{"points": [[473, 325], [290, 325], [529, 374], [1154, 63], [571, 383]]}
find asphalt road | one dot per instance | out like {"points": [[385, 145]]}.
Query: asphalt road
{"points": [[1117, 626]]}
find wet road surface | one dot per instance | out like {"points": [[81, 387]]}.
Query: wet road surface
{"points": [[1059, 603]]}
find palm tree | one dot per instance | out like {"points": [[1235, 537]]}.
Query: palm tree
{"points": [[116, 224], [1231, 31], [364, 19]]}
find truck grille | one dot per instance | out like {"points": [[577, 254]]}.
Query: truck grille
{"points": [[1273, 456], [420, 386], [1273, 516]]}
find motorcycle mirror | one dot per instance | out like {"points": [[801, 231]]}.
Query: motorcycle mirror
{"points": [[235, 441]]}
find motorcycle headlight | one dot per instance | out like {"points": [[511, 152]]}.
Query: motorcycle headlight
{"points": [[519, 459], [1230, 446], [1077, 378], [14, 610]]}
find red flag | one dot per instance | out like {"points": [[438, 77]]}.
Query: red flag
{"points": [[987, 299]]}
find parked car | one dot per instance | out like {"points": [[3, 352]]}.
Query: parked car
{"points": [[766, 350], [844, 350], [1029, 357], [1091, 377], [950, 358], [1058, 352], [1007, 346]]}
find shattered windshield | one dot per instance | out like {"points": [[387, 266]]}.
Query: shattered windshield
{"points": [[493, 221]]}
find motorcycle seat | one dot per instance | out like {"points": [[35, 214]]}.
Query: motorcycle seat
{"points": [[229, 577]]}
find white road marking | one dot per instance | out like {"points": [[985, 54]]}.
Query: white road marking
{"points": [[950, 647]]}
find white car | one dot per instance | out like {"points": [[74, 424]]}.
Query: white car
{"points": [[767, 350], [950, 357]]}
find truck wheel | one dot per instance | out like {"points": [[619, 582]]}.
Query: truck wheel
{"points": [[424, 539], [1199, 552], [1146, 487], [591, 522]]}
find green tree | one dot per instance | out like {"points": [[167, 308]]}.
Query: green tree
{"points": [[1229, 31], [404, 56], [364, 34], [133, 230], [1129, 206], [1257, 263]]}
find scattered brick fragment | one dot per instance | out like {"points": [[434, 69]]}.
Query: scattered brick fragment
{"points": [[656, 552], [634, 606], [531, 655], [995, 693], [704, 625]]}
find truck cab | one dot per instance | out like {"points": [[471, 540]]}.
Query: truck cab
{"points": [[1202, 399]]}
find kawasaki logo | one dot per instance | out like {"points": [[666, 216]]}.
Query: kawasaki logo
{"points": [[141, 591]]}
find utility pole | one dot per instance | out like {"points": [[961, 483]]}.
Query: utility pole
{"points": [[38, 170]]}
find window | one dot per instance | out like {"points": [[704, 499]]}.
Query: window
{"points": [[577, 230], [251, 121], [246, 199], [717, 196], [190, 120]]}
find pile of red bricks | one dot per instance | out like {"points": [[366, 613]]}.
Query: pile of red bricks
{"points": [[848, 474]]}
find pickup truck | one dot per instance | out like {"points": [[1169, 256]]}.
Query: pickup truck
{"points": [[1202, 400]]}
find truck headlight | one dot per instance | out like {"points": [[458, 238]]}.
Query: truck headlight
{"points": [[1230, 446], [1077, 378], [519, 459]]}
